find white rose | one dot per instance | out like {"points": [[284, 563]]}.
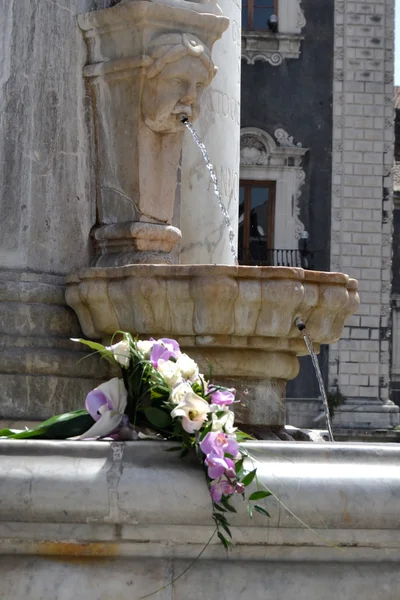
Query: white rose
{"points": [[188, 367], [179, 392], [223, 423], [121, 353], [170, 373], [193, 411], [145, 346]]}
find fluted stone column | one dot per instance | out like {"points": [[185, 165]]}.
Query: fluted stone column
{"points": [[205, 239]]}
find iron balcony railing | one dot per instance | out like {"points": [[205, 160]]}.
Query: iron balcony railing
{"points": [[278, 258]]}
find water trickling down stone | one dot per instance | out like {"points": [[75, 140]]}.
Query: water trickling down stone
{"points": [[302, 328], [214, 179]]}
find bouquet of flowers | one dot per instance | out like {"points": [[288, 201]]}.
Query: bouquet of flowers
{"points": [[162, 393]]}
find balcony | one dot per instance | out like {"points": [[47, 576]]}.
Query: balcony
{"points": [[259, 256]]}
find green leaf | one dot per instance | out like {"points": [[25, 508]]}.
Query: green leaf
{"points": [[224, 526], [241, 436], [261, 510], [247, 479], [218, 507], [224, 541], [259, 495], [58, 427], [226, 505], [219, 518], [250, 510], [206, 430], [6, 432], [239, 466], [157, 417], [72, 427], [93, 346]]}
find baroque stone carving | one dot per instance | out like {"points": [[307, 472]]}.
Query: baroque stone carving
{"points": [[149, 64], [181, 68], [253, 151], [285, 140]]}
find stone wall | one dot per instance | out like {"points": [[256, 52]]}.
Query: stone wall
{"points": [[47, 203], [296, 96], [362, 198]]}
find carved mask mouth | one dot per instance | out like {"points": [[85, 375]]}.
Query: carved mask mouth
{"points": [[183, 110]]}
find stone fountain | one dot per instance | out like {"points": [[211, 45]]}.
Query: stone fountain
{"points": [[101, 519], [149, 66]]}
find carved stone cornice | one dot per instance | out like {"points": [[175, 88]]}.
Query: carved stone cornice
{"points": [[274, 48], [270, 47], [257, 147]]}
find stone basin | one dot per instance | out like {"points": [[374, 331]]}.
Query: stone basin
{"points": [[239, 320]]}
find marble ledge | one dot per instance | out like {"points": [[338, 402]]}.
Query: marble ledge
{"points": [[134, 499]]}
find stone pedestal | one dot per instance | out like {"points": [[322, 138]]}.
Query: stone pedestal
{"points": [[204, 236]]}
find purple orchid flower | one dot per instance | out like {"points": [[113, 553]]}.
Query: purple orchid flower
{"points": [[95, 401], [239, 488], [171, 345], [217, 466], [164, 349], [222, 397], [106, 405], [219, 443], [219, 489]]}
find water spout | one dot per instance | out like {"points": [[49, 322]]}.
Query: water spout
{"points": [[184, 119], [302, 328]]}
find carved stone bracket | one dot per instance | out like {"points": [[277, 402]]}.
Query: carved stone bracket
{"points": [[148, 64]]}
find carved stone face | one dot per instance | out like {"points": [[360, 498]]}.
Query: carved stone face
{"points": [[175, 91]]}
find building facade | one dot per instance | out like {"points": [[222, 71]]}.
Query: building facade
{"points": [[316, 175]]}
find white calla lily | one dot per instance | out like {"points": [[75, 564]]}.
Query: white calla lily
{"points": [[193, 410], [112, 412]]}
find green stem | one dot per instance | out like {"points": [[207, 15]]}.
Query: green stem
{"points": [[183, 572]]}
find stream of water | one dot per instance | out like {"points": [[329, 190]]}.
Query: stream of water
{"points": [[213, 176], [302, 328], [228, 225]]}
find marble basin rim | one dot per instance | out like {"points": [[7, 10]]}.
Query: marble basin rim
{"points": [[214, 305]]}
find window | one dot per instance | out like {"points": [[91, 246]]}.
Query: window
{"points": [[259, 43], [274, 163], [255, 13], [256, 221]]}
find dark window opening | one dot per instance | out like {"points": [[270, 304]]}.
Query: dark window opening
{"points": [[256, 221], [255, 13]]}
